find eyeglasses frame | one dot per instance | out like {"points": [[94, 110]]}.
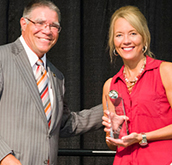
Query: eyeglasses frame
{"points": [[46, 24]]}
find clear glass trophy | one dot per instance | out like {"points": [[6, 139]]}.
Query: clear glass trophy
{"points": [[115, 105]]}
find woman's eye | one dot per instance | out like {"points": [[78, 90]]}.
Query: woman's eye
{"points": [[133, 33], [118, 35]]}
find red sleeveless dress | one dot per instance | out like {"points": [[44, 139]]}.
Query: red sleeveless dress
{"points": [[148, 109]]}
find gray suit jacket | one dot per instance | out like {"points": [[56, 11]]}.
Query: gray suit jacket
{"points": [[23, 124]]}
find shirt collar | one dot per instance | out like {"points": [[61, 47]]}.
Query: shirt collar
{"points": [[33, 58], [151, 63]]}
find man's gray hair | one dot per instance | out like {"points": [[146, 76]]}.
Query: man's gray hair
{"points": [[43, 3]]}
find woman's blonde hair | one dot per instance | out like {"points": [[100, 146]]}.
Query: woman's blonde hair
{"points": [[136, 19]]}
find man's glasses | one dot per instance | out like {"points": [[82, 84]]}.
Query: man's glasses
{"points": [[55, 27]]}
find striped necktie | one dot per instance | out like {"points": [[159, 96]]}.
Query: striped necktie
{"points": [[42, 83]]}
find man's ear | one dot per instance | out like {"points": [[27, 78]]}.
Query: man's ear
{"points": [[23, 23]]}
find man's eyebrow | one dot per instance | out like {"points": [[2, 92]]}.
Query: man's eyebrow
{"points": [[57, 23], [40, 19]]}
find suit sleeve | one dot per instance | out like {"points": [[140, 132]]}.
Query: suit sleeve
{"points": [[5, 149], [76, 123]]}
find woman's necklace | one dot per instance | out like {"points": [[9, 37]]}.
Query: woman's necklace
{"points": [[133, 82]]}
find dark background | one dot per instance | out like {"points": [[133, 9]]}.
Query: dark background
{"points": [[81, 54]]}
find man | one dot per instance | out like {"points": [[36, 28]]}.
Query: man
{"points": [[28, 134]]}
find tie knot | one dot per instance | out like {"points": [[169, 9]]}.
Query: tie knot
{"points": [[40, 62]]}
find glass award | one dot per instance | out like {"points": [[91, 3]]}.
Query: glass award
{"points": [[115, 105]]}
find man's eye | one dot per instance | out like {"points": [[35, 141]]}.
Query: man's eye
{"points": [[40, 23], [54, 26]]}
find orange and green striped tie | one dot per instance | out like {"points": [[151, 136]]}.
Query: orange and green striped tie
{"points": [[42, 83]]}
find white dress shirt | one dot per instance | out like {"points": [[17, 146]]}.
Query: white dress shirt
{"points": [[33, 58]]}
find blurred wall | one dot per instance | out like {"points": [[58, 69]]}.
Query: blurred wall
{"points": [[81, 54]]}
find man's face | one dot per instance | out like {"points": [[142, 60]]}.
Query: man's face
{"points": [[40, 40]]}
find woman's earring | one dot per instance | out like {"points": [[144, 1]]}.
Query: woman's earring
{"points": [[144, 49], [115, 52]]}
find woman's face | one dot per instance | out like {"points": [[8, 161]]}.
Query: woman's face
{"points": [[128, 42]]}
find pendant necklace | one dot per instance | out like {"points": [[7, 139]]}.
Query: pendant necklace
{"points": [[133, 82]]}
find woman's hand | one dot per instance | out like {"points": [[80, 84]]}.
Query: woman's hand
{"points": [[106, 121], [113, 121], [125, 141]]}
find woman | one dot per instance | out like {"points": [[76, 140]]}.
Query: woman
{"points": [[145, 86]]}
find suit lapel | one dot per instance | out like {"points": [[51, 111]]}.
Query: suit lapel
{"points": [[56, 114], [25, 69]]}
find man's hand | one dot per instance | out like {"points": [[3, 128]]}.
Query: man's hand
{"points": [[10, 160]]}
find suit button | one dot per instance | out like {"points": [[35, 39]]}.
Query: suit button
{"points": [[48, 136], [46, 162]]}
